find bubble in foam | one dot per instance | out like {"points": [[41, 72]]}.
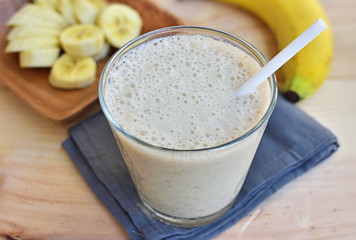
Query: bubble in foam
{"points": [[168, 75]]}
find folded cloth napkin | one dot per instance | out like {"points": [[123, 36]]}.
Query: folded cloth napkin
{"points": [[292, 144]]}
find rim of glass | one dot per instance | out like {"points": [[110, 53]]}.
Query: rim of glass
{"points": [[257, 54]]}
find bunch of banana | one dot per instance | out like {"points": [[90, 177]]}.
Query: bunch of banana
{"points": [[83, 29], [306, 71]]}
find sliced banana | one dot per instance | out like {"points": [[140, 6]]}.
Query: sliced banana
{"points": [[20, 18], [103, 53], [46, 3], [86, 11], [29, 31], [82, 40], [21, 44], [72, 72], [31, 13], [39, 32], [120, 23], [38, 23], [66, 8], [44, 57]]}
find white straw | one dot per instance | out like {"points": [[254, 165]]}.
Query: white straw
{"points": [[281, 58]]}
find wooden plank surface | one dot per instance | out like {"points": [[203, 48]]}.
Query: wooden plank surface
{"points": [[43, 196]]}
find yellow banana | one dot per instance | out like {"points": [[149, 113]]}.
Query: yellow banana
{"points": [[45, 3], [41, 29], [22, 44], [70, 72], [66, 9], [105, 50], [34, 15], [307, 70], [44, 57], [121, 23], [30, 31], [82, 40]]}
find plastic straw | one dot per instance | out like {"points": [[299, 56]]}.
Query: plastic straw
{"points": [[282, 57]]}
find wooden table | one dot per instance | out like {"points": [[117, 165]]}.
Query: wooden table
{"points": [[43, 196]]}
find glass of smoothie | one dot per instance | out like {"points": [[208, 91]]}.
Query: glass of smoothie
{"points": [[188, 141]]}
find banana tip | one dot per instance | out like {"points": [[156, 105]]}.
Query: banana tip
{"points": [[292, 96]]}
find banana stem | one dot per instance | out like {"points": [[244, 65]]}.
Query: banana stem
{"points": [[282, 57]]}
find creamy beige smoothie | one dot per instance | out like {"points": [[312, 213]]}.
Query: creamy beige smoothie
{"points": [[177, 121]]}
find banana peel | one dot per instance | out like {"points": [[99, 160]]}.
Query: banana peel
{"points": [[308, 69]]}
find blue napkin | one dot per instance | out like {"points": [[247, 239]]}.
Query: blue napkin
{"points": [[292, 144]]}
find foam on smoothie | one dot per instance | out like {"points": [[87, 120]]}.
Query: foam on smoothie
{"points": [[178, 92]]}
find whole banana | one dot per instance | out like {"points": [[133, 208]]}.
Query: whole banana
{"points": [[306, 71]]}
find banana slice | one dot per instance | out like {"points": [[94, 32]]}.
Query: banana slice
{"points": [[82, 40], [38, 23], [46, 3], [103, 53], [21, 44], [31, 13], [21, 18], [72, 72], [120, 23], [66, 8], [29, 31], [87, 11], [44, 57]]}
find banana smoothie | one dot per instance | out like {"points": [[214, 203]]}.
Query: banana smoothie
{"points": [[187, 140]]}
